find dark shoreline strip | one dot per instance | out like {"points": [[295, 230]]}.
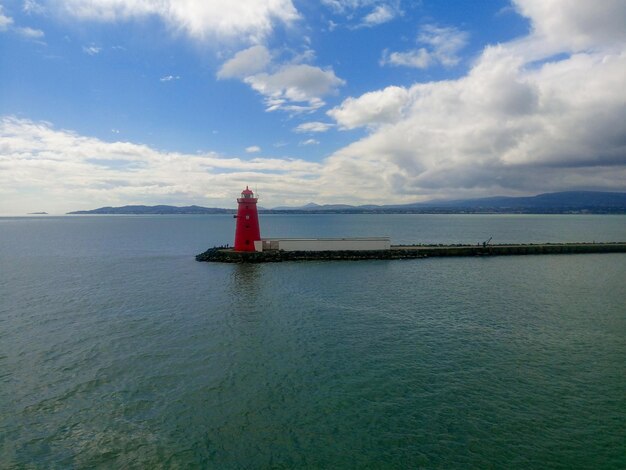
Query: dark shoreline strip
{"points": [[227, 255]]}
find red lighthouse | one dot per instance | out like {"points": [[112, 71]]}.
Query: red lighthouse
{"points": [[247, 230]]}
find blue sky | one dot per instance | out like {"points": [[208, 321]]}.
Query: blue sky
{"points": [[111, 102]]}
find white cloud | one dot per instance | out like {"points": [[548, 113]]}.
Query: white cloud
{"points": [[169, 78], [310, 142], [441, 46], [444, 42], [363, 13], [340, 6], [295, 87], [61, 170], [374, 108], [245, 63], [242, 20], [30, 33], [381, 14], [314, 126], [417, 58], [92, 50], [253, 149], [5, 21], [525, 119], [378, 11], [575, 25], [32, 7], [349, 6]]}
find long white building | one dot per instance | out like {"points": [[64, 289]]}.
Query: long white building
{"points": [[323, 244]]}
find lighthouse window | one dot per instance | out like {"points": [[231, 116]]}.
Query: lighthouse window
{"points": [[247, 217]]}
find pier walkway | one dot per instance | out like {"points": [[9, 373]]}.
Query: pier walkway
{"points": [[228, 255]]}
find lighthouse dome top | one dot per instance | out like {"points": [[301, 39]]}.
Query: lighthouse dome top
{"points": [[247, 194]]}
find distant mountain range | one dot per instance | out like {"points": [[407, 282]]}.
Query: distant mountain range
{"points": [[550, 203], [161, 209], [561, 201]]}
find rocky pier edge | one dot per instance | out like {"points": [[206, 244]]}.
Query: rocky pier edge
{"points": [[228, 255]]}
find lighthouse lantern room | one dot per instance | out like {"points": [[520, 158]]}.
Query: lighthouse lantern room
{"points": [[247, 230]]}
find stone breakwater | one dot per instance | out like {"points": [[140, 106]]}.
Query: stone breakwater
{"points": [[228, 255]]}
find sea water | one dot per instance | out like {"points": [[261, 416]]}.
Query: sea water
{"points": [[118, 349]]}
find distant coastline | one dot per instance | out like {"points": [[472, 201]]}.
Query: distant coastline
{"points": [[570, 202]]}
